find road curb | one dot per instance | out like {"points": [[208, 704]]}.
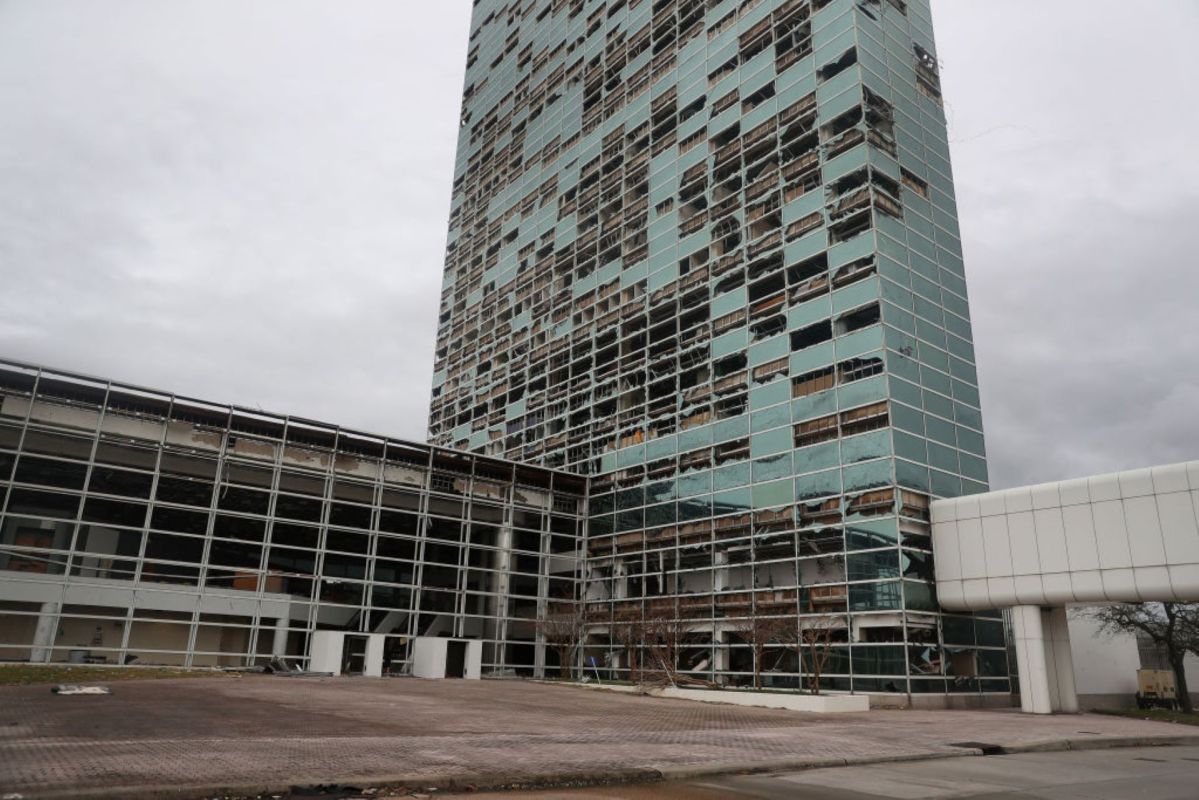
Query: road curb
{"points": [[1106, 743], [571, 779], [805, 764]]}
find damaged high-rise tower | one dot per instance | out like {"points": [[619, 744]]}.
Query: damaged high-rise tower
{"points": [[707, 254]]}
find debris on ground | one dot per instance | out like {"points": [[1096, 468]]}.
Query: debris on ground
{"points": [[80, 688], [338, 792], [281, 666]]}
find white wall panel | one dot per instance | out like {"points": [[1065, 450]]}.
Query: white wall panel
{"points": [[1111, 534], [1017, 500], [948, 560], [1152, 581], [970, 538], [1026, 558], [997, 546], [1074, 492], [1123, 537], [1137, 483], [1081, 546], [1051, 540], [1087, 583], [1144, 531], [1120, 582], [1180, 529], [1046, 496], [1167, 480], [1059, 589], [1104, 487]]}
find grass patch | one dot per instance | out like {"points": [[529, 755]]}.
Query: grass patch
{"points": [[32, 674], [1154, 714]]}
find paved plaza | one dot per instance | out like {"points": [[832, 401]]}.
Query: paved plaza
{"points": [[1146, 773], [195, 738]]}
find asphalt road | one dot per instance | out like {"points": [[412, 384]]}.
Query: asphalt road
{"points": [[1141, 773]]}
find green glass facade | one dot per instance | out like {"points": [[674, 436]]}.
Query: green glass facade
{"points": [[707, 253]]}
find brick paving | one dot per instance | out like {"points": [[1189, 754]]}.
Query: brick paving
{"points": [[175, 737]]}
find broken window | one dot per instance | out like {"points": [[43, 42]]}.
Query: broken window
{"points": [[811, 335], [928, 77], [861, 318], [835, 68]]}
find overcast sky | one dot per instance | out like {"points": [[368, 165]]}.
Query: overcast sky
{"points": [[246, 202]]}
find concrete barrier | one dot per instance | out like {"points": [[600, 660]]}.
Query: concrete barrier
{"points": [[815, 704]]}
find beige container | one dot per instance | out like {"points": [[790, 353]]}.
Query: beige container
{"points": [[1157, 683]]}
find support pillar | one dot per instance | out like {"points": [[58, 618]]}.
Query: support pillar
{"points": [[372, 665], [1044, 661], [43, 634], [1029, 632], [1062, 676], [279, 643]]}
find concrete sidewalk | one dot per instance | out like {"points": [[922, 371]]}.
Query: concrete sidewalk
{"points": [[1146, 773], [189, 738]]}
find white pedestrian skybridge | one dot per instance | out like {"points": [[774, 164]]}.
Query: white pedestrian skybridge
{"points": [[1126, 537]]}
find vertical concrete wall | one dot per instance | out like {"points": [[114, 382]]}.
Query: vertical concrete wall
{"points": [[325, 651], [474, 661], [372, 666], [1105, 667], [428, 657]]}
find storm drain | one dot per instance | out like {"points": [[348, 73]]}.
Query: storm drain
{"points": [[987, 749], [330, 792]]}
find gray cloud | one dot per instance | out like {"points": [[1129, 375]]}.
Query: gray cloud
{"points": [[247, 202], [1072, 127], [243, 202]]}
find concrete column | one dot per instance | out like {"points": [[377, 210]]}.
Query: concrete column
{"points": [[474, 661], [372, 666], [720, 572], [720, 651], [429, 657], [43, 634], [1030, 659], [1058, 643], [279, 643], [325, 651]]}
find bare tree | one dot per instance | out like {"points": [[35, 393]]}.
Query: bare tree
{"points": [[1174, 627], [761, 632], [564, 628], [665, 633], [812, 641], [628, 627]]}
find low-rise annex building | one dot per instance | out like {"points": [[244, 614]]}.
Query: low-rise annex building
{"points": [[140, 526]]}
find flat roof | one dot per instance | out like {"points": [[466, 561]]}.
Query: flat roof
{"points": [[36, 372]]}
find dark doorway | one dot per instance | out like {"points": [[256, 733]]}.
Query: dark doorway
{"points": [[455, 659], [353, 655]]}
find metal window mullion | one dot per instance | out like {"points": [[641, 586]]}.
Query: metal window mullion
{"points": [[372, 550], [150, 501], [264, 561], [84, 493], [421, 537], [209, 527], [20, 452]]}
